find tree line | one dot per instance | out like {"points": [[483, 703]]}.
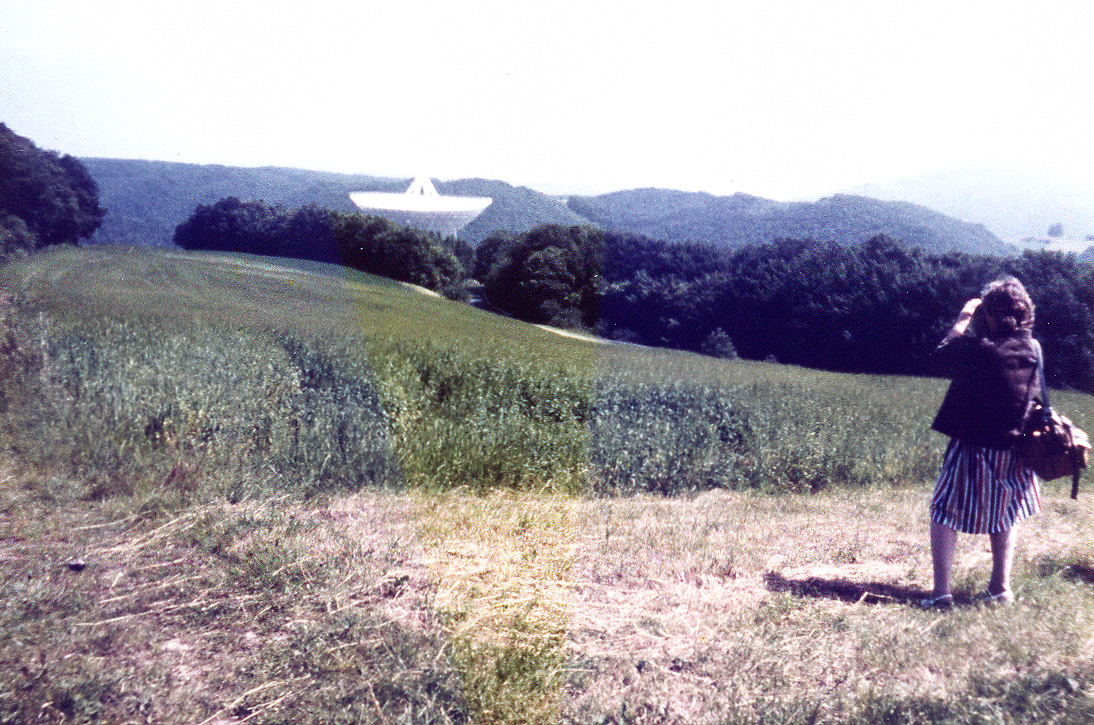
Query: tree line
{"points": [[45, 198], [879, 307], [366, 243]]}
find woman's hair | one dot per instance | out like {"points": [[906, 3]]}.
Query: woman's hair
{"points": [[1007, 301]]}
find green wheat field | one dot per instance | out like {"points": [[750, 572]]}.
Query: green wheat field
{"points": [[240, 489]]}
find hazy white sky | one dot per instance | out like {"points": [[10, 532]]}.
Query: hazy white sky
{"points": [[788, 99]]}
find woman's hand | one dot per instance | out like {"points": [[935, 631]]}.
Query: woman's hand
{"points": [[963, 319], [969, 309]]}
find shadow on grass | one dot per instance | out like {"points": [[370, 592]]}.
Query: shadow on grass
{"points": [[844, 590], [1065, 568], [1080, 572]]}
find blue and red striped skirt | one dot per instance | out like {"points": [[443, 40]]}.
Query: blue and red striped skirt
{"points": [[983, 490]]}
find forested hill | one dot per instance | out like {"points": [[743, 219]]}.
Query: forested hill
{"points": [[515, 209], [741, 219], [146, 200]]}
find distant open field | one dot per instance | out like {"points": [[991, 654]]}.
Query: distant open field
{"points": [[238, 489]]}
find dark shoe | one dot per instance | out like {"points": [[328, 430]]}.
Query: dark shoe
{"points": [[943, 601]]}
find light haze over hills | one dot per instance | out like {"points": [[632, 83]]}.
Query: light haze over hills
{"points": [[1011, 203]]}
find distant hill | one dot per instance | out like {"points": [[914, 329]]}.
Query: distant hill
{"points": [[741, 219], [1012, 203], [146, 200], [515, 208]]}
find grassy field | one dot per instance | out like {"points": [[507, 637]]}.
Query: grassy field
{"points": [[238, 489]]}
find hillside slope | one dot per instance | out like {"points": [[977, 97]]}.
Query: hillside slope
{"points": [[146, 200], [743, 219]]}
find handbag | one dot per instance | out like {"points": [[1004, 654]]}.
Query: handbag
{"points": [[1050, 444]]}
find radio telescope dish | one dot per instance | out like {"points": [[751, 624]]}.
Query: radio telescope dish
{"points": [[420, 206]]}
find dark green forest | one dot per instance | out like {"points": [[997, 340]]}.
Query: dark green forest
{"points": [[366, 243], [45, 198], [879, 307]]}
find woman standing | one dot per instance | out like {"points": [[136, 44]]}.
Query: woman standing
{"points": [[984, 487]]}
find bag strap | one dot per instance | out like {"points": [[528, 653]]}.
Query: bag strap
{"points": [[1076, 458], [1041, 373]]}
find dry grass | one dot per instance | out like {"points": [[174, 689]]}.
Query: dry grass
{"points": [[252, 612], [520, 607], [500, 558], [728, 606], [732, 607], [503, 568]]}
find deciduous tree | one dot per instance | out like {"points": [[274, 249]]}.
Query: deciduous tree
{"points": [[45, 198]]}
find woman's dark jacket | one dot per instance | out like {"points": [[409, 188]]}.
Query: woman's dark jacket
{"points": [[994, 380]]}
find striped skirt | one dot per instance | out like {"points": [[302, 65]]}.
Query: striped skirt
{"points": [[983, 490]]}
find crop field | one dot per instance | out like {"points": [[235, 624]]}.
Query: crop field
{"points": [[240, 489]]}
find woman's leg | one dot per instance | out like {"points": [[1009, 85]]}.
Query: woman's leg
{"points": [[943, 542], [1002, 558]]}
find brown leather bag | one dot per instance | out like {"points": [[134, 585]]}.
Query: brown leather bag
{"points": [[1053, 446], [1050, 444]]}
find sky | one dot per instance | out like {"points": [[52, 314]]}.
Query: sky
{"points": [[791, 99]]}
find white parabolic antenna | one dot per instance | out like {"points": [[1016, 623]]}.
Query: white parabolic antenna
{"points": [[420, 206]]}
